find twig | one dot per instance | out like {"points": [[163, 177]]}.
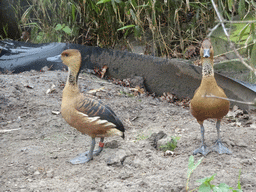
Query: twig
{"points": [[242, 102], [213, 29], [231, 44], [215, 56], [247, 21], [9, 130]]}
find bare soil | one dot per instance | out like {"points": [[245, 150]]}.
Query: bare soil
{"points": [[36, 144]]}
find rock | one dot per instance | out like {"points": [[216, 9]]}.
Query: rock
{"points": [[37, 173], [248, 178], [168, 153], [137, 81], [241, 143], [117, 158], [112, 144], [44, 69], [155, 137]]}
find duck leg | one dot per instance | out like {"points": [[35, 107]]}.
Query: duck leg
{"points": [[203, 149], [219, 147], [95, 152], [87, 156]]}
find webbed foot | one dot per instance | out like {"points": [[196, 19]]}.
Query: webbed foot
{"points": [[80, 160], [203, 150], [220, 148]]}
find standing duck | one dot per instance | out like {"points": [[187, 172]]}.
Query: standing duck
{"points": [[87, 115], [203, 108]]}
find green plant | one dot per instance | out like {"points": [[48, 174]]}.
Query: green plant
{"points": [[206, 182], [165, 27], [50, 20], [141, 137], [127, 94], [170, 145]]}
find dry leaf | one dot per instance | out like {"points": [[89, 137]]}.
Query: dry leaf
{"points": [[52, 89], [55, 112], [103, 71], [96, 90]]}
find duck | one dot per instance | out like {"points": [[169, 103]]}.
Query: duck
{"points": [[203, 108], [87, 115]]}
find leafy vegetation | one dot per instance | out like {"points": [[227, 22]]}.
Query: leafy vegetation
{"points": [[173, 25], [206, 182], [170, 145], [166, 28]]}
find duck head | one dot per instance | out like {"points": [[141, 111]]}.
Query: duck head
{"points": [[72, 59], [206, 50], [206, 53]]}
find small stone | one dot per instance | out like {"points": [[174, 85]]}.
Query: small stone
{"points": [[168, 153], [37, 173], [116, 159], [112, 144], [155, 137], [50, 173], [44, 69]]}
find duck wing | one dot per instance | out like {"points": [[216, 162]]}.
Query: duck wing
{"points": [[94, 108]]}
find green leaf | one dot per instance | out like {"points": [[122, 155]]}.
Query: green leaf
{"points": [[73, 12], [241, 8], [59, 39], [206, 179], [190, 165], [137, 31], [102, 1], [253, 60], [230, 4], [125, 27], [253, 3], [243, 31], [67, 30], [238, 182], [58, 27], [204, 188], [223, 187], [253, 30]]}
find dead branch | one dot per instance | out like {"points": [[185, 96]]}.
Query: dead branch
{"points": [[231, 43], [233, 100]]}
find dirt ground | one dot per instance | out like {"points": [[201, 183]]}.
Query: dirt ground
{"points": [[36, 144]]}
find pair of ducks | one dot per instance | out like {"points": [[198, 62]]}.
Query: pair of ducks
{"points": [[95, 119]]}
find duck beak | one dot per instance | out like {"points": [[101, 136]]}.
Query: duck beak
{"points": [[206, 53], [56, 58]]}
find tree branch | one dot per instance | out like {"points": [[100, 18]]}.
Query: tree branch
{"points": [[231, 43], [233, 100]]}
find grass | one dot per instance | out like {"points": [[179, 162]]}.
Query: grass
{"points": [[173, 25], [167, 28], [141, 136], [126, 94], [206, 182], [170, 145]]}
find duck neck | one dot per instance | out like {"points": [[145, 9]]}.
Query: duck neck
{"points": [[71, 88], [72, 78], [207, 70]]}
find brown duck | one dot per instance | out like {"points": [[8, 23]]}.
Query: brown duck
{"points": [[87, 115], [203, 108]]}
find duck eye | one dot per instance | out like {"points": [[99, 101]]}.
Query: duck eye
{"points": [[66, 55]]}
